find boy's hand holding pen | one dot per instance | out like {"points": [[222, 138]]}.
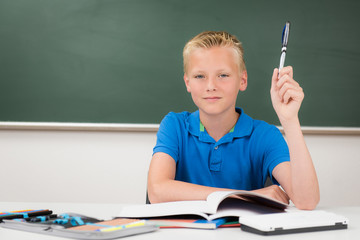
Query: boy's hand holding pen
{"points": [[286, 93]]}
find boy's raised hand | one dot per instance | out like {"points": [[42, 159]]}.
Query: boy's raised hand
{"points": [[286, 94]]}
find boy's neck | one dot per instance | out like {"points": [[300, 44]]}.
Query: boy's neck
{"points": [[219, 126]]}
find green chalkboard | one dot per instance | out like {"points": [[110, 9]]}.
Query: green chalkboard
{"points": [[120, 61]]}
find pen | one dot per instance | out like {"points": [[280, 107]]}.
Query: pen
{"points": [[24, 213], [284, 39]]}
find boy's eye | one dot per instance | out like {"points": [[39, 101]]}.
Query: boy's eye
{"points": [[199, 76], [223, 75]]}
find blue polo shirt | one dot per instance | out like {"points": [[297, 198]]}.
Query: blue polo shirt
{"points": [[242, 159]]}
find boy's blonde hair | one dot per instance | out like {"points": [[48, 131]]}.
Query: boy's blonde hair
{"points": [[210, 39]]}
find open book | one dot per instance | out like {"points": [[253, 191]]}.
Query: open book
{"points": [[217, 205]]}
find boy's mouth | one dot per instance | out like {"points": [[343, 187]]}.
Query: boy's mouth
{"points": [[212, 99]]}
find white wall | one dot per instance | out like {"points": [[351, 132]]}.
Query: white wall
{"points": [[337, 162], [106, 167], [111, 167]]}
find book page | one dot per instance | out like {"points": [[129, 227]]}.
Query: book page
{"points": [[165, 209], [231, 207], [215, 198]]}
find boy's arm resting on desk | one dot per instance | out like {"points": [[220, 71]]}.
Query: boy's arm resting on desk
{"points": [[162, 186], [297, 177]]}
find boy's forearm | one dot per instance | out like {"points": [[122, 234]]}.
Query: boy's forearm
{"points": [[172, 190], [304, 182]]}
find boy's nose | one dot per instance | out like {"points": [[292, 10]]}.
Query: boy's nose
{"points": [[211, 84]]}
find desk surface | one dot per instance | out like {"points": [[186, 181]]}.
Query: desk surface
{"points": [[106, 211]]}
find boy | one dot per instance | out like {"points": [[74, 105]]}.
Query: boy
{"points": [[219, 147]]}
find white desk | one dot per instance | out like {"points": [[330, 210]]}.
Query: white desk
{"points": [[106, 211]]}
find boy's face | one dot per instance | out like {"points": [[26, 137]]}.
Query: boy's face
{"points": [[213, 78]]}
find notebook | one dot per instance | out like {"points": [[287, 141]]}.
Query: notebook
{"points": [[293, 222]]}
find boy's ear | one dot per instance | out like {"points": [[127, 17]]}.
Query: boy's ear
{"points": [[243, 80], [186, 80]]}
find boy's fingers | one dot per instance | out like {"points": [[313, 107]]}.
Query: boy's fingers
{"points": [[281, 195], [288, 93], [287, 96], [284, 89], [285, 198], [274, 78], [286, 70], [286, 79], [288, 85]]}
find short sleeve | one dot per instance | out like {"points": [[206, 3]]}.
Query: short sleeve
{"points": [[168, 136], [276, 151]]}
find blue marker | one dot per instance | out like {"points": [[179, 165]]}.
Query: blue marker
{"points": [[285, 38]]}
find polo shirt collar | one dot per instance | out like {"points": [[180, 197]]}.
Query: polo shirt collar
{"points": [[243, 127]]}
